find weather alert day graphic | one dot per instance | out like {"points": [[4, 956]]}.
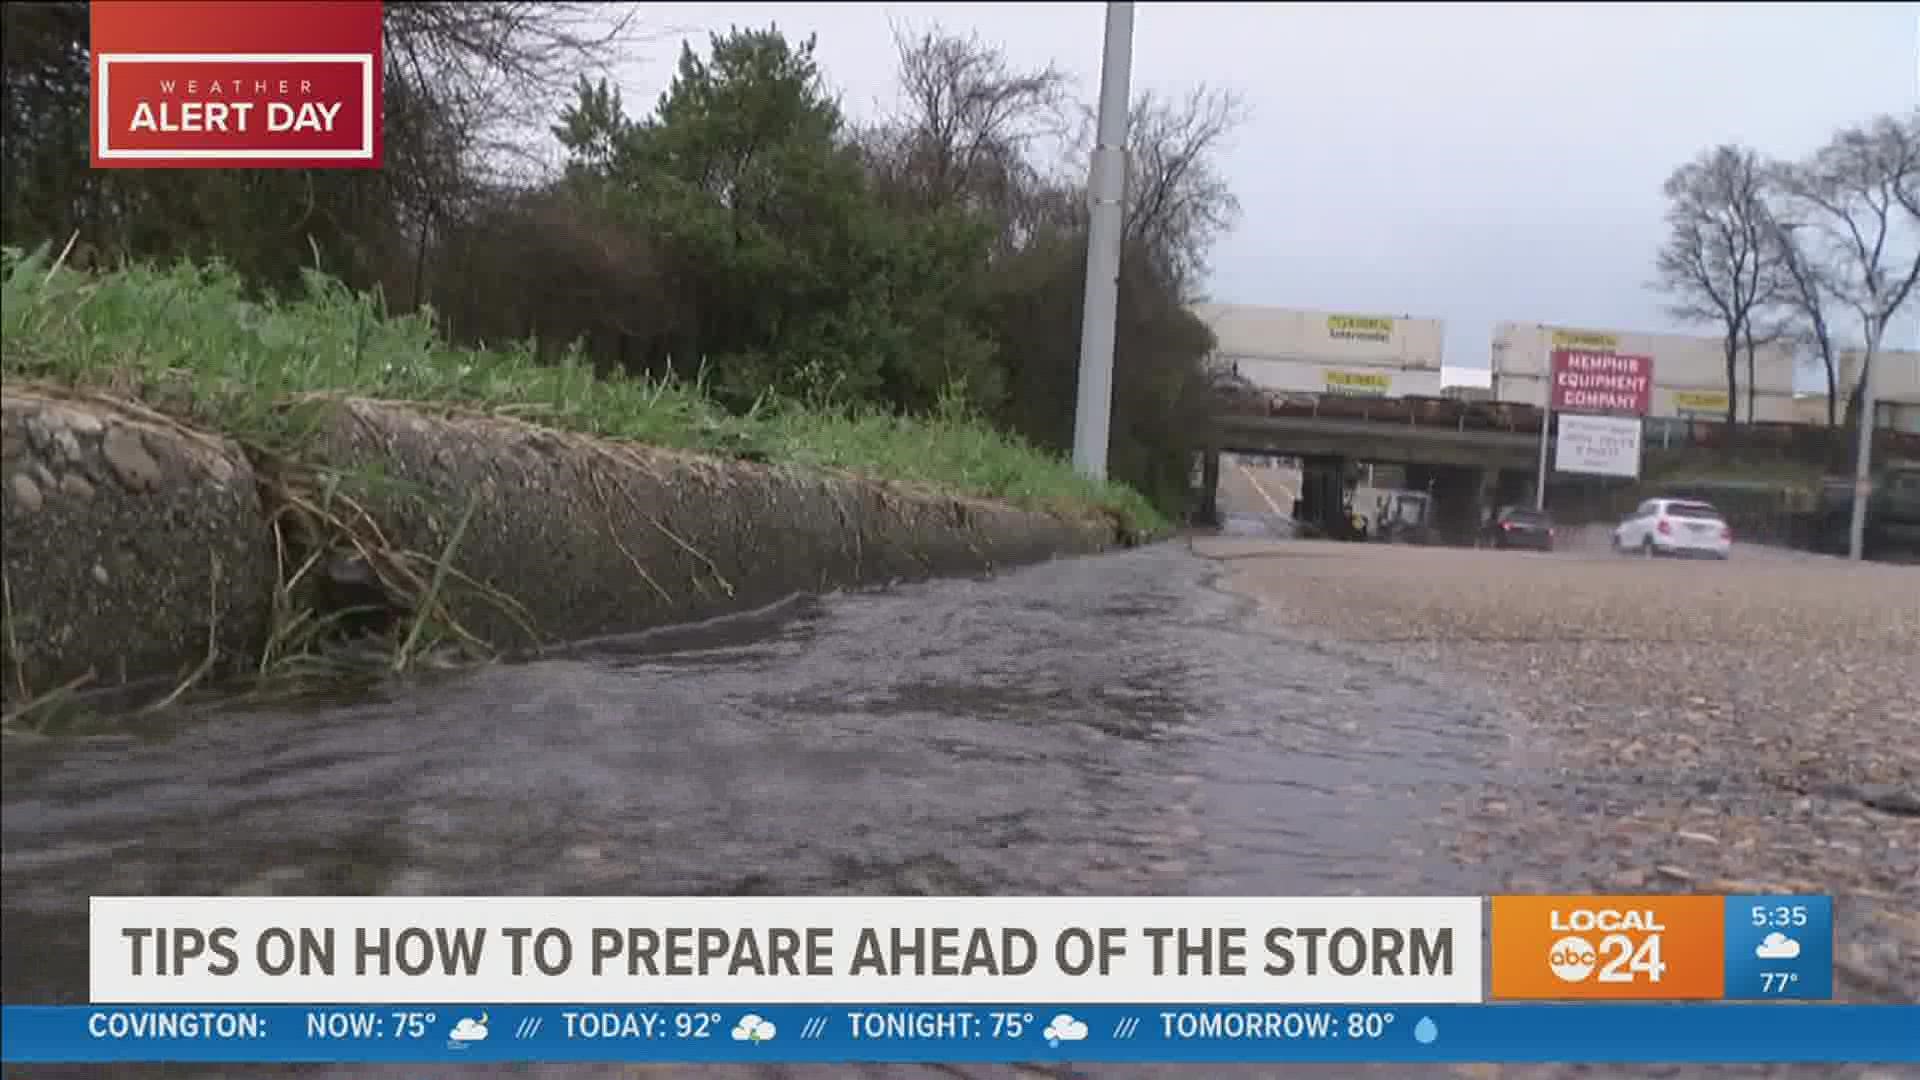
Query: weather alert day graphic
{"points": [[248, 84]]}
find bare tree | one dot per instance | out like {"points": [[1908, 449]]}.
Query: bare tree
{"points": [[467, 83], [1178, 202], [1803, 296], [969, 125], [1759, 333], [494, 71], [1716, 263], [1857, 196]]}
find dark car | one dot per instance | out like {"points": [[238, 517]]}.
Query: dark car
{"points": [[1519, 527]]}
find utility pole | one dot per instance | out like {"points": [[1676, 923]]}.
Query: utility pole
{"points": [[1546, 429], [1863, 456], [1106, 190], [1863, 461]]}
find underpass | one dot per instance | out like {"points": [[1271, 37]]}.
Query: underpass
{"points": [[1465, 472]]}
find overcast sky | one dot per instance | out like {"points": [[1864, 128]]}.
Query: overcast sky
{"points": [[1475, 163]]}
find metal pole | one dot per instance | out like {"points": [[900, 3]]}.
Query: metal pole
{"points": [[1863, 463], [1546, 426], [1106, 188]]}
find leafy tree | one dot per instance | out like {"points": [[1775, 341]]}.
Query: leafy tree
{"points": [[803, 284]]}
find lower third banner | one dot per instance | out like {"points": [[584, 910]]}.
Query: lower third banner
{"points": [[1710, 1032]]}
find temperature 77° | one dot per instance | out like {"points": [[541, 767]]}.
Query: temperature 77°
{"points": [[1776, 982]]}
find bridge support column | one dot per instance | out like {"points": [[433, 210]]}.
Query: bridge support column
{"points": [[1209, 513], [1486, 498], [1323, 496], [1513, 488], [1457, 498]]}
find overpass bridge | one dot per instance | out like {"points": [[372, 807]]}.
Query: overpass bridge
{"points": [[1470, 454], [1380, 441]]}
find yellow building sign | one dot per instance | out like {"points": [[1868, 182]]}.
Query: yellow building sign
{"points": [[1359, 328], [1700, 401], [1583, 339], [1356, 382]]}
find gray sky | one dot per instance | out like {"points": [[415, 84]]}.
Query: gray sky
{"points": [[1475, 163]]}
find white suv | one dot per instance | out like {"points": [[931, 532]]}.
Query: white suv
{"points": [[1674, 527]]}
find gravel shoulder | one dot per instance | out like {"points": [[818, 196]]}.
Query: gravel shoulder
{"points": [[1672, 726]]}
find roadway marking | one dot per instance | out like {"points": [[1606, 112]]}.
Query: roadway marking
{"points": [[1261, 489]]}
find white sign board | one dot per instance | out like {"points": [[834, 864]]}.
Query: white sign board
{"points": [[1598, 445]]}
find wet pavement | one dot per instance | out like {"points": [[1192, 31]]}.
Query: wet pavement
{"points": [[1110, 725], [1119, 725]]}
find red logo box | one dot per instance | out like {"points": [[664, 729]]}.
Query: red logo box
{"points": [[1598, 382], [250, 84]]}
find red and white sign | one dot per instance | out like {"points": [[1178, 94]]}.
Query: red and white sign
{"points": [[237, 84], [1601, 382]]}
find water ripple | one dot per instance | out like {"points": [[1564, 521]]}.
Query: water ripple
{"points": [[1109, 725]]}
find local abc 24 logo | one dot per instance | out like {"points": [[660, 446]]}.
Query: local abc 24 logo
{"points": [[1606, 945]]}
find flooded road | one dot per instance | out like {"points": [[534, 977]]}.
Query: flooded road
{"points": [[1116, 725], [1109, 725]]}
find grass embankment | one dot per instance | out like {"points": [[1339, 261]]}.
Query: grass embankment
{"points": [[1772, 472], [187, 342]]}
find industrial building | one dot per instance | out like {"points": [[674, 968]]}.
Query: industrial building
{"points": [[1349, 394], [1349, 354], [1896, 386], [1290, 350], [1689, 373], [1896, 391]]}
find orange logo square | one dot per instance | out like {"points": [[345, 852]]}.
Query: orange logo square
{"points": [[1608, 947]]}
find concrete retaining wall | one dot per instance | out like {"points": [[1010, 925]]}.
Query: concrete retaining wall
{"points": [[117, 522], [593, 538], [126, 537]]}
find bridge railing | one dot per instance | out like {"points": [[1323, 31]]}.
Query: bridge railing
{"points": [[1428, 412], [1807, 443]]}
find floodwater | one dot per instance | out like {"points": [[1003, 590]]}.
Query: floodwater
{"points": [[1111, 725]]}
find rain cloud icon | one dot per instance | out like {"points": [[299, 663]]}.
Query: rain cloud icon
{"points": [[1064, 1028], [752, 1028], [468, 1030], [1777, 946]]}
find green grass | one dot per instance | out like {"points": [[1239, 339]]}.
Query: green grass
{"points": [[1760, 472], [187, 340]]}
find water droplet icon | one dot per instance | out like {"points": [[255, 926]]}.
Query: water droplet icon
{"points": [[1426, 1030]]}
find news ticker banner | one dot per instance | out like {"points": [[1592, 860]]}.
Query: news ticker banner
{"points": [[734, 1032], [973, 950], [236, 84]]}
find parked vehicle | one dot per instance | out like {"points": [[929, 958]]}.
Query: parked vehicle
{"points": [[1405, 517], [1519, 527], [1893, 511], [1674, 527]]}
